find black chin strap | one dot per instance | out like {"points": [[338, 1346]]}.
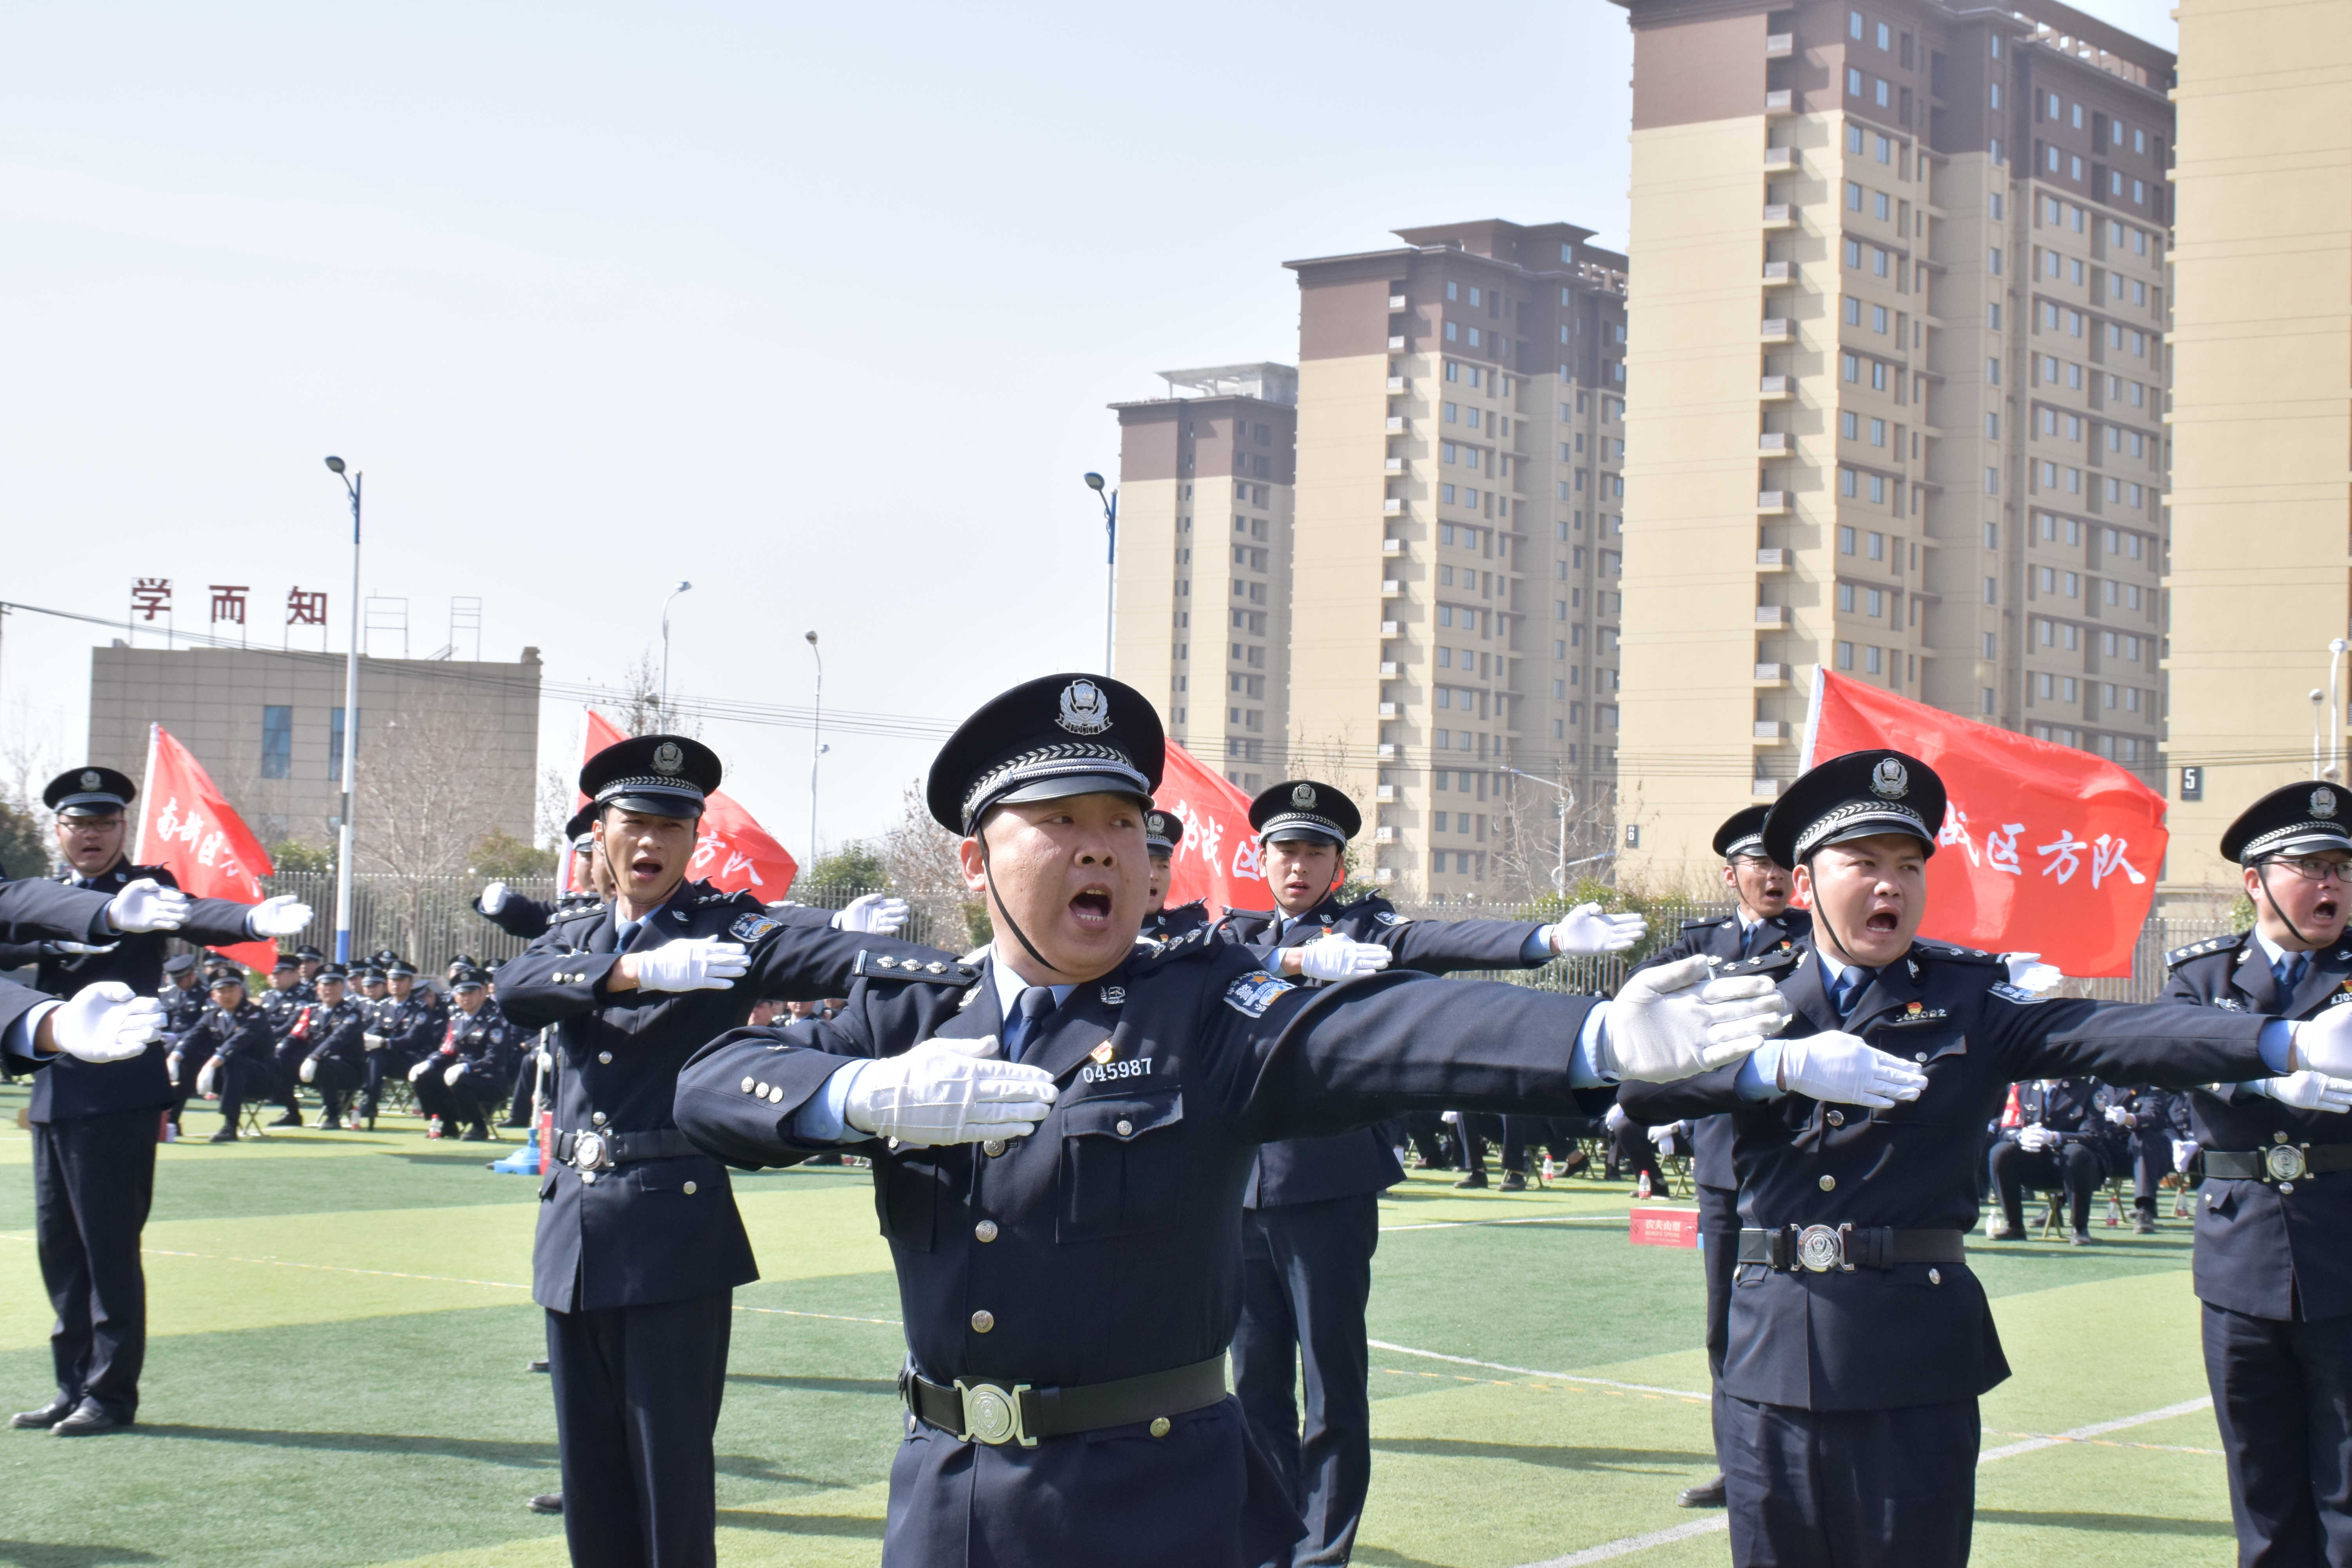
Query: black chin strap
{"points": [[980, 836], [2261, 876]]}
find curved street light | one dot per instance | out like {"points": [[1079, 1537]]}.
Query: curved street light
{"points": [[352, 483], [817, 747], [663, 715], [1110, 499]]}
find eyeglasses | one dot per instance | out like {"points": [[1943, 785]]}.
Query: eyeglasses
{"points": [[2316, 868]]}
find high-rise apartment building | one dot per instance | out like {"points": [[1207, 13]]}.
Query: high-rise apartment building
{"points": [[1456, 564], [2261, 328], [1898, 385], [1203, 569]]}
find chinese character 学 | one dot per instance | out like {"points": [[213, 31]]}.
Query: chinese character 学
{"points": [[304, 608], [228, 604], [150, 597]]}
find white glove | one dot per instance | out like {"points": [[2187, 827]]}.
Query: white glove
{"points": [[2183, 1151], [877, 915], [281, 916], [1671, 1021], [1337, 958], [1451, 1117], [2313, 1091], [107, 1022], [1664, 1137], [456, 1072], [208, 1078], [2325, 1043], [375, 1042], [494, 898], [147, 905], [416, 1073], [2118, 1117], [949, 1092], [2028, 972], [75, 949], [1845, 1070], [1616, 1118], [1587, 931], [2034, 1138], [310, 1071], [691, 963]]}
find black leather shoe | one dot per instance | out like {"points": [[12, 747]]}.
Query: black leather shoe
{"points": [[88, 1421], [546, 1502], [540, 1364], [291, 1119], [2144, 1225], [49, 1415], [1474, 1179], [475, 1134], [225, 1135], [1707, 1494]]}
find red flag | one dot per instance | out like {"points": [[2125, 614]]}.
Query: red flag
{"points": [[185, 824], [731, 851], [1218, 858], [2043, 848]]}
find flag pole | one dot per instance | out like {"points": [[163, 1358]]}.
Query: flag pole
{"points": [[147, 793], [351, 746]]}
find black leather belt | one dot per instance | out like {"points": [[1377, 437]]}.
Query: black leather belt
{"points": [[995, 1413], [601, 1150], [2282, 1165], [1821, 1248]]}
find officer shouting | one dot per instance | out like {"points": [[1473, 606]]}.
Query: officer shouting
{"points": [[2273, 1229], [640, 1246], [1062, 1137], [1859, 1341]]}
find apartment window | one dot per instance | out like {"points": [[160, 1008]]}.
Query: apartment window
{"points": [[1850, 426], [1878, 316], [1883, 206], [1870, 661], [1846, 540], [1991, 591], [1845, 655], [1845, 597], [1853, 85], [278, 743], [335, 746], [1853, 312], [1846, 486], [1877, 547], [1875, 604]]}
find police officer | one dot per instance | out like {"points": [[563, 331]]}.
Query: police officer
{"points": [[184, 1000], [2274, 1228], [1314, 1219], [1859, 1341], [410, 1027], [2059, 1146], [1164, 831], [333, 1035], [2148, 1121], [281, 1006], [456, 1084], [94, 1130], [234, 1050], [639, 1245], [1069, 1295], [308, 962]]}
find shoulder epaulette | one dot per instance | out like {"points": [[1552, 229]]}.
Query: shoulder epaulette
{"points": [[1701, 925], [577, 912], [1201, 904], [1247, 915], [938, 971], [1768, 960], [1192, 944], [1953, 952], [2180, 955]]}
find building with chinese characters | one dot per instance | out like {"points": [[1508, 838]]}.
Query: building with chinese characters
{"points": [[1898, 387], [268, 725]]}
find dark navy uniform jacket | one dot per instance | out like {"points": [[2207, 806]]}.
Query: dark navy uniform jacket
{"points": [[2258, 1251], [181, 1008], [1724, 939], [664, 1229], [1313, 1170], [243, 1035], [528, 918], [1106, 1244], [73, 1088], [1916, 1333], [282, 1008], [411, 1028], [484, 1039], [337, 1033], [1179, 921]]}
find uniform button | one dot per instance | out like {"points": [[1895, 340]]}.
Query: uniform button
{"points": [[2278, 1137], [1160, 1426], [1829, 1184], [747, 1085], [1835, 1118], [985, 1230], [993, 1148], [1126, 1128], [598, 1119], [983, 1320], [1919, 1056], [605, 1057], [691, 1189], [587, 1178], [1935, 1277]]}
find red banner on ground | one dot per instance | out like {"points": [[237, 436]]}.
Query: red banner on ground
{"points": [[1663, 1227], [185, 825], [1218, 858], [2043, 848], [731, 851]]}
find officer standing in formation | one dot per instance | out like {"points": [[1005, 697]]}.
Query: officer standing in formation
{"points": [[1761, 920], [1064, 1209], [1163, 831], [1312, 1204], [1859, 1341], [640, 1246], [333, 1033], [95, 1128], [2273, 1229]]}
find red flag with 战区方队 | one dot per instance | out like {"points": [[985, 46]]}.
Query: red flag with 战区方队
{"points": [[1217, 859], [2043, 848], [731, 851], [186, 827]]}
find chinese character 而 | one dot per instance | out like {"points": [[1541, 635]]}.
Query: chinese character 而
{"points": [[228, 604]]}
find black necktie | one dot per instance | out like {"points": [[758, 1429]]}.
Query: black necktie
{"points": [[1034, 1002]]}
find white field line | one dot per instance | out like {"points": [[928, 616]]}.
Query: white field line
{"points": [[1608, 1551], [1530, 1372], [1619, 1220]]}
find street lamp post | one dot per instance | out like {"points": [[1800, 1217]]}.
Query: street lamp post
{"points": [[1567, 804], [2335, 708], [1110, 499], [662, 717], [817, 741], [351, 482]]}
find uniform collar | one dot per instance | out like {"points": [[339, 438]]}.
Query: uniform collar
{"points": [[1009, 986]]}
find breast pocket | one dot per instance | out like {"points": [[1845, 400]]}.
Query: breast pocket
{"points": [[906, 1196], [1121, 1166], [1946, 1099]]}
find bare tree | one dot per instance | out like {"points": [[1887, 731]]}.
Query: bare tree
{"points": [[428, 792], [29, 756], [552, 809], [1528, 846], [925, 870], [643, 709]]}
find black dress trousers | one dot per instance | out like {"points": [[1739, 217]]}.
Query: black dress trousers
{"points": [[1718, 1229], [2283, 1397], [93, 1182], [1306, 1275], [1850, 1489], [623, 1376]]}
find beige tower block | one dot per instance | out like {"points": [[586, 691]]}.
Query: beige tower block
{"points": [[1336, 604]]}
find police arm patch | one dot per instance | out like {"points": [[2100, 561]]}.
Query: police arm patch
{"points": [[2017, 994], [751, 928], [1254, 993]]}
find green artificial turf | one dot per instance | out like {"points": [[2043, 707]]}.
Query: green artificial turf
{"points": [[341, 1323]]}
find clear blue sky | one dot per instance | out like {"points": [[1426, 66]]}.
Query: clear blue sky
{"points": [[818, 307]]}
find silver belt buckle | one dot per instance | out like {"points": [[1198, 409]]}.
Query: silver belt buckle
{"points": [[1821, 1248], [590, 1153], [992, 1414], [2285, 1162]]}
